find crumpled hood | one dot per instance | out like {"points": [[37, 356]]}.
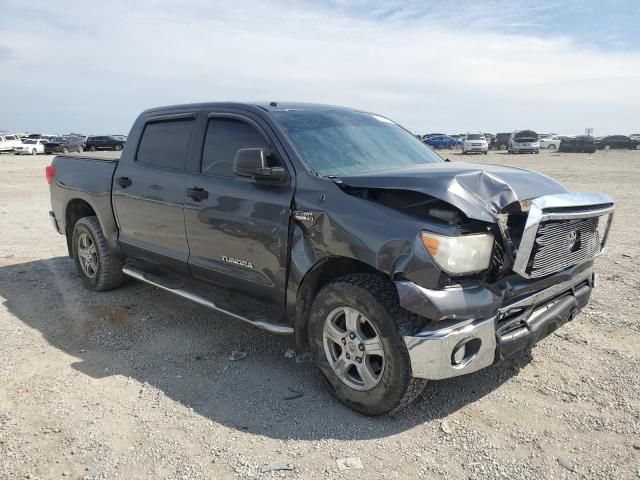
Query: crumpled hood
{"points": [[480, 191]]}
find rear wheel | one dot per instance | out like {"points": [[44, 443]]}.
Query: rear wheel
{"points": [[92, 148], [98, 267], [606, 148], [551, 147], [34, 152], [80, 149], [356, 334], [65, 150]]}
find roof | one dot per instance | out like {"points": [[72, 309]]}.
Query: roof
{"points": [[273, 106]]}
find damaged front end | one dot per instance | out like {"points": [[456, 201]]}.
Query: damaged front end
{"points": [[539, 276]]}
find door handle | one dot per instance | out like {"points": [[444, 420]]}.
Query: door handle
{"points": [[197, 193], [124, 182]]}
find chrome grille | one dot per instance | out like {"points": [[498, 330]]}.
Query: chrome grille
{"points": [[560, 244], [562, 230]]}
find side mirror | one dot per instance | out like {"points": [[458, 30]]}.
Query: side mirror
{"points": [[253, 163]]}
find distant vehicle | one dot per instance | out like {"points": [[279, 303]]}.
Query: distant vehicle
{"points": [[429, 135], [579, 144], [524, 141], [500, 141], [474, 143], [617, 141], [442, 141], [31, 146], [489, 137], [8, 143], [552, 142], [104, 143], [120, 137], [635, 136], [545, 135], [64, 145]]}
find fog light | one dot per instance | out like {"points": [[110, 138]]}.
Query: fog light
{"points": [[457, 357]]}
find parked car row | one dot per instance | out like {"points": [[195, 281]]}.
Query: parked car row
{"points": [[36, 143]]}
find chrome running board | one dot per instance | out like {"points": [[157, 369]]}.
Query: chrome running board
{"points": [[260, 323]]}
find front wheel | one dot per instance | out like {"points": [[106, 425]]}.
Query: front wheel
{"points": [[356, 334], [551, 147], [65, 150], [34, 152], [98, 267]]}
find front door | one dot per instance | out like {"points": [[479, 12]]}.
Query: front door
{"points": [[237, 228], [148, 193]]}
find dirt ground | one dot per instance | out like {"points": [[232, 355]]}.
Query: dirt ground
{"points": [[136, 383]]}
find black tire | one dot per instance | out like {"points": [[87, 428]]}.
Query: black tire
{"points": [[34, 152], [92, 148], [377, 299], [486, 153], [109, 267], [65, 150], [80, 149]]}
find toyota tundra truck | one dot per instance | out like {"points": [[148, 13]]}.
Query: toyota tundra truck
{"points": [[388, 264]]}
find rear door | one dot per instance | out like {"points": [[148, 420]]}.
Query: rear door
{"points": [[148, 192], [237, 228]]}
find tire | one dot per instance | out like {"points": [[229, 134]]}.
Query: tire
{"points": [[637, 146], [34, 152], [374, 300], [92, 148], [551, 147], [606, 148], [65, 150], [80, 149], [117, 147], [503, 147], [107, 268], [486, 153]]}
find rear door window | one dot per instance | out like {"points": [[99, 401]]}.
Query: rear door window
{"points": [[165, 144]]}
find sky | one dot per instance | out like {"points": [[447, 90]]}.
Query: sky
{"points": [[432, 66]]}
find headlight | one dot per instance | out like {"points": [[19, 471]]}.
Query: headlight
{"points": [[460, 255]]}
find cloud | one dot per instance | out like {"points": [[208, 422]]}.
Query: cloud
{"points": [[93, 69]]}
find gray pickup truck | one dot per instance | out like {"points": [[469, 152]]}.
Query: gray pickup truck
{"points": [[389, 264]]}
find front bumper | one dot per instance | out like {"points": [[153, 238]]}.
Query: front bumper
{"points": [[456, 347]]}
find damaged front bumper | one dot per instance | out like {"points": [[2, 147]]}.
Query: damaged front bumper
{"points": [[494, 329]]}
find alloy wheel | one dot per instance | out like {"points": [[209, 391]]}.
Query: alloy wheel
{"points": [[87, 255], [353, 348]]}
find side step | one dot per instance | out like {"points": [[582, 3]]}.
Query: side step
{"points": [[260, 323]]}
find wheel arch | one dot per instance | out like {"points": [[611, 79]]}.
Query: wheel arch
{"points": [[323, 272], [76, 209]]}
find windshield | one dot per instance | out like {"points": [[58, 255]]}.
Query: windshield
{"points": [[29, 142], [475, 136], [335, 142]]}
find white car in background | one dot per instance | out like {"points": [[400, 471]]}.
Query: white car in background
{"points": [[31, 146], [474, 142], [552, 142], [8, 142]]}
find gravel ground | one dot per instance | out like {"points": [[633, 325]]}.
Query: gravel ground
{"points": [[136, 383]]}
